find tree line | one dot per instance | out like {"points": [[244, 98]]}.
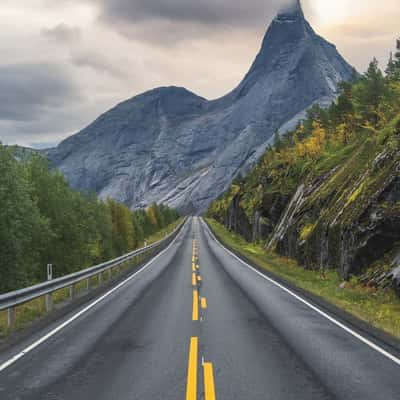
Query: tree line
{"points": [[43, 221]]}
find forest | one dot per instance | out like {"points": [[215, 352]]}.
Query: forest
{"points": [[42, 221]]}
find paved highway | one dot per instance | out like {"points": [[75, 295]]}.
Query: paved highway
{"points": [[197, 323]]}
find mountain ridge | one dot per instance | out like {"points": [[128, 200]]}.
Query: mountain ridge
{"points": [[170, 145]]}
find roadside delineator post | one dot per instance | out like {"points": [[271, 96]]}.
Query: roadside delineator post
{"points": [[49, 297], [11, 318], [71, 292]]}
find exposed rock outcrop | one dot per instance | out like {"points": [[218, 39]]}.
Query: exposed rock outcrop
{"points": [[237, 221], [268, 215], [346, 219]]}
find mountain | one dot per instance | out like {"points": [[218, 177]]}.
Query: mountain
{"points": [[172, 146]]}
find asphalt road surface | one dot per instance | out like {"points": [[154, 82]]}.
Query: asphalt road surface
{"points": [[196, 323]]}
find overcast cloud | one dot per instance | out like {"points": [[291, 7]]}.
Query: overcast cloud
{"points": [[67, 61]]}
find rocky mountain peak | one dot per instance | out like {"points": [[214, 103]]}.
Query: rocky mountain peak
{"points": [[290, 12], [171, 146]]}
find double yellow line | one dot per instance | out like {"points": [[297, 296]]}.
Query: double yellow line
{"points": [[209, 385], [195, 312], [203, 304], [208, 372], [191, 388]]}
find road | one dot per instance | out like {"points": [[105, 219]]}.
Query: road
{"points": [[196, 323]]}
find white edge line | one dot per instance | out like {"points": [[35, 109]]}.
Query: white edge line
{"points": [[43, 339], [308, 304]]}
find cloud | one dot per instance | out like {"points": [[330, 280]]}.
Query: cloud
{"points": [[62, 33], [98, 62], [167, 20], [27, 90]]}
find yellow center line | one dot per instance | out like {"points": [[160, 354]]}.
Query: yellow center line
{"points": [[193, 267], [195, 313], [209, 386], [203, 303], [194, 283], [191, 388]]}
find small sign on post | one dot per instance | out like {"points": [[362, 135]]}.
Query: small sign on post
{"points": [[49, 297], [49, 272]]}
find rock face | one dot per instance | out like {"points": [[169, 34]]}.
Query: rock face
{"points": [[171, 146], [236, 220], [345, 219]]}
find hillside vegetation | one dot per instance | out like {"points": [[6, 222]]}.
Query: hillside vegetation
{"points": [[43, 221], [328, 193]]}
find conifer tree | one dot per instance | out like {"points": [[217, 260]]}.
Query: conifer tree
{"points": [[391, 67]]}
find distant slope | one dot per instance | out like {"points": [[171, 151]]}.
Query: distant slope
{"points": [[169, 145]]}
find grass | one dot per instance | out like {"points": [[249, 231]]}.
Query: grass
{"points": [[379, 308], [28, 312]]}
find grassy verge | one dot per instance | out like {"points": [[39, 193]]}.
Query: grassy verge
{"points": [[377, 307], [28, 312]]}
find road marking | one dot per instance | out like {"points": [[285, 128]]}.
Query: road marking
{"points": [[194, 282], [195, 312], [308, 304], [209, 385], [193, 267], [191, 388], [203, 303], [43, 339]]}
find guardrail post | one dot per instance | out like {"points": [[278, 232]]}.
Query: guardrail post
{"points": [[49, 297], [109, 273], [100, 278], [87, 283], [11, 318]]}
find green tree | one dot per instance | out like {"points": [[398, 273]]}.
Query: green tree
{"points": [[122, 228], [278, 145], [369, 93], [390, 70], [23, 231]]}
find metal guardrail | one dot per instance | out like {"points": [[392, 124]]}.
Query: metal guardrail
{"points": [[9, 301]]}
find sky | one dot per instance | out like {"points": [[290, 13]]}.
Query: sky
{"points": [[64, 62]]}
